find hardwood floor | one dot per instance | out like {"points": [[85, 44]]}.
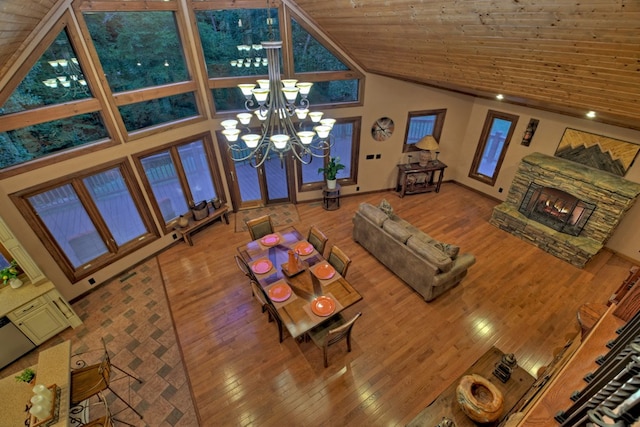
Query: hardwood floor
{"points": [[405, 351]]}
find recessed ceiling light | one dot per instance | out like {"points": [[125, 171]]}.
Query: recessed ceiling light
{"points": [[500, 96], [591, 114]]}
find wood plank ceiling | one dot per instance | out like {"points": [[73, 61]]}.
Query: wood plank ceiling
{"points": [[568, 56], [564, 55]]}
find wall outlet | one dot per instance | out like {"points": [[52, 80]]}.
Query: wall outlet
{"points": [[500, 190], [175, 236], [378, 156], [92, 281], [369, 156], [357, 188]]}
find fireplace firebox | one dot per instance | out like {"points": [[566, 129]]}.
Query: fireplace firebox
{"points": [[556, 209]]}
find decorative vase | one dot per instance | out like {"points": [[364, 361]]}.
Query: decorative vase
{"points": [[331, 184], [183, 221], [15, 283], [217, 203]]}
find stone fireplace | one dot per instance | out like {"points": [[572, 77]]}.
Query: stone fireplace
{"points": [[565, 208]]}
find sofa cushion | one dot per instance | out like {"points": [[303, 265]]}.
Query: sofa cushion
{"points": [[386, 207], [430, 253], [396, 230], [372, 213], [448, 248]]}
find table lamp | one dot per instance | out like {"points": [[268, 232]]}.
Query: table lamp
{"points": [[426, 145]]}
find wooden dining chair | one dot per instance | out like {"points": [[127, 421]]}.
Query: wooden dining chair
{"points": [[339, 260], [89, 380], [244, 267], [267, 306], [105, 417], [259, 227], [332, 331], [317, 239]]}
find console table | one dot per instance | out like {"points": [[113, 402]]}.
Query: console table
{"points": [[413, 178], [220, 213]]}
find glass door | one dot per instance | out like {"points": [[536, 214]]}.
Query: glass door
{"points": [[251, 187]]}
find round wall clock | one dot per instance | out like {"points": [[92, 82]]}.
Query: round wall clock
{"points": [[382, 129]]}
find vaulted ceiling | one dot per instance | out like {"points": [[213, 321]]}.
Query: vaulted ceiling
{"points": [[567, 56]]}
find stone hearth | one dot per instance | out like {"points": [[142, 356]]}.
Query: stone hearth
{"points": [[612, 195]]}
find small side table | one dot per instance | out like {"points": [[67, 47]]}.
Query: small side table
{"points": [[413, 178], [331, 198]]}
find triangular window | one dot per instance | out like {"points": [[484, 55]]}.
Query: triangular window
{"points": [[309, 55], [55, 78]]}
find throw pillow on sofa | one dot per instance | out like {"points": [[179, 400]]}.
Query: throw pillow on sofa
{"points": [[386, 207], [372, 213], [447, 248], [430, 253]]}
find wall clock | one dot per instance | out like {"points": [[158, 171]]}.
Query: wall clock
{"points": [[382, 129]]}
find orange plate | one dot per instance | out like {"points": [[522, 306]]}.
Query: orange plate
{"points": [[270, 240], [280, 292], [324, 271], [303, 248], [323, 306], [262, 266]]}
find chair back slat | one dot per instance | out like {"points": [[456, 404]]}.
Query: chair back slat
{"points": [[339, 260], [317, 239], [260, 227]]}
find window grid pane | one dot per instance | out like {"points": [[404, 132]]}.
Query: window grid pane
{"points": [[33, 142], [157, 111], [117, 208], [57, 77], [493, 147], [197, 171], [69, 223], [167, 190], [132, 51]]}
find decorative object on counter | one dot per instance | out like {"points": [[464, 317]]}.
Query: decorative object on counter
{"points": [[479, 399], [45, 405], [200, 210], [216, 203], [10, 274], [27, 375], [331, 171], [426, 145], [503, 369]]}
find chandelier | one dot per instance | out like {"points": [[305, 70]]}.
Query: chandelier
{"points": [[275, 103]]}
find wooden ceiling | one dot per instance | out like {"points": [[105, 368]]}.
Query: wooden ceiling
{"points": [[559, 55]]}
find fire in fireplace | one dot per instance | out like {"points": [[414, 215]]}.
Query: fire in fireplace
{"points": [[556, 209]]}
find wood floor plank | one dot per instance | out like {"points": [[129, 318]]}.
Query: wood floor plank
{"points": [[405, 351]]}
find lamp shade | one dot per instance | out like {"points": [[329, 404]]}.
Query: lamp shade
{"points": [[428, 143]]}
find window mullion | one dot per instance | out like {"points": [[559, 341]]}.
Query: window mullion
{"points": [[94, 215], [182, 177]]}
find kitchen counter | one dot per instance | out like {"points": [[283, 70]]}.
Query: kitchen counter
{"points": [[10, 298], [52, 368]]}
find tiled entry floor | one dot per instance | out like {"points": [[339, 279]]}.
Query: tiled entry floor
{"points": [[132, 314]]}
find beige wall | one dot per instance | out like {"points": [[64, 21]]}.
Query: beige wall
{"points": [[383, 97]]}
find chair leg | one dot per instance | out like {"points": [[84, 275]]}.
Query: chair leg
{"points": [[123, 422], [127, 373], [126, 403], [326, 361]]}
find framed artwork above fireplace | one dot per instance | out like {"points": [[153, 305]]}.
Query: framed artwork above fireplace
{"points": [[600, 152]]}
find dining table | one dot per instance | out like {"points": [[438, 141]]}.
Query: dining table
{"points": [[306, 296]]}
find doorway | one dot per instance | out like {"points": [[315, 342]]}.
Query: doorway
{"points": [[249, 187]]}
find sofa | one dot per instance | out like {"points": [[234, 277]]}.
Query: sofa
{"points": [[430, 267]]}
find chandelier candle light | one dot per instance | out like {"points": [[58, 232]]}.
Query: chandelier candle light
{"points": [[273, 102]]}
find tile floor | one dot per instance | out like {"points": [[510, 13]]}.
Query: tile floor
{"points": [[132, 314]]}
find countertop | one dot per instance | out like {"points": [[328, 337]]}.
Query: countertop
{"points": [[52, 368], [10, 298]]}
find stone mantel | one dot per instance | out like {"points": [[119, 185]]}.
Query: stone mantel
{"points": [[613, 196]]}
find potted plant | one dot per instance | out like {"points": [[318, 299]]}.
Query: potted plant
{"points": [[331, 170], [27, 375], [10, 274]]}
